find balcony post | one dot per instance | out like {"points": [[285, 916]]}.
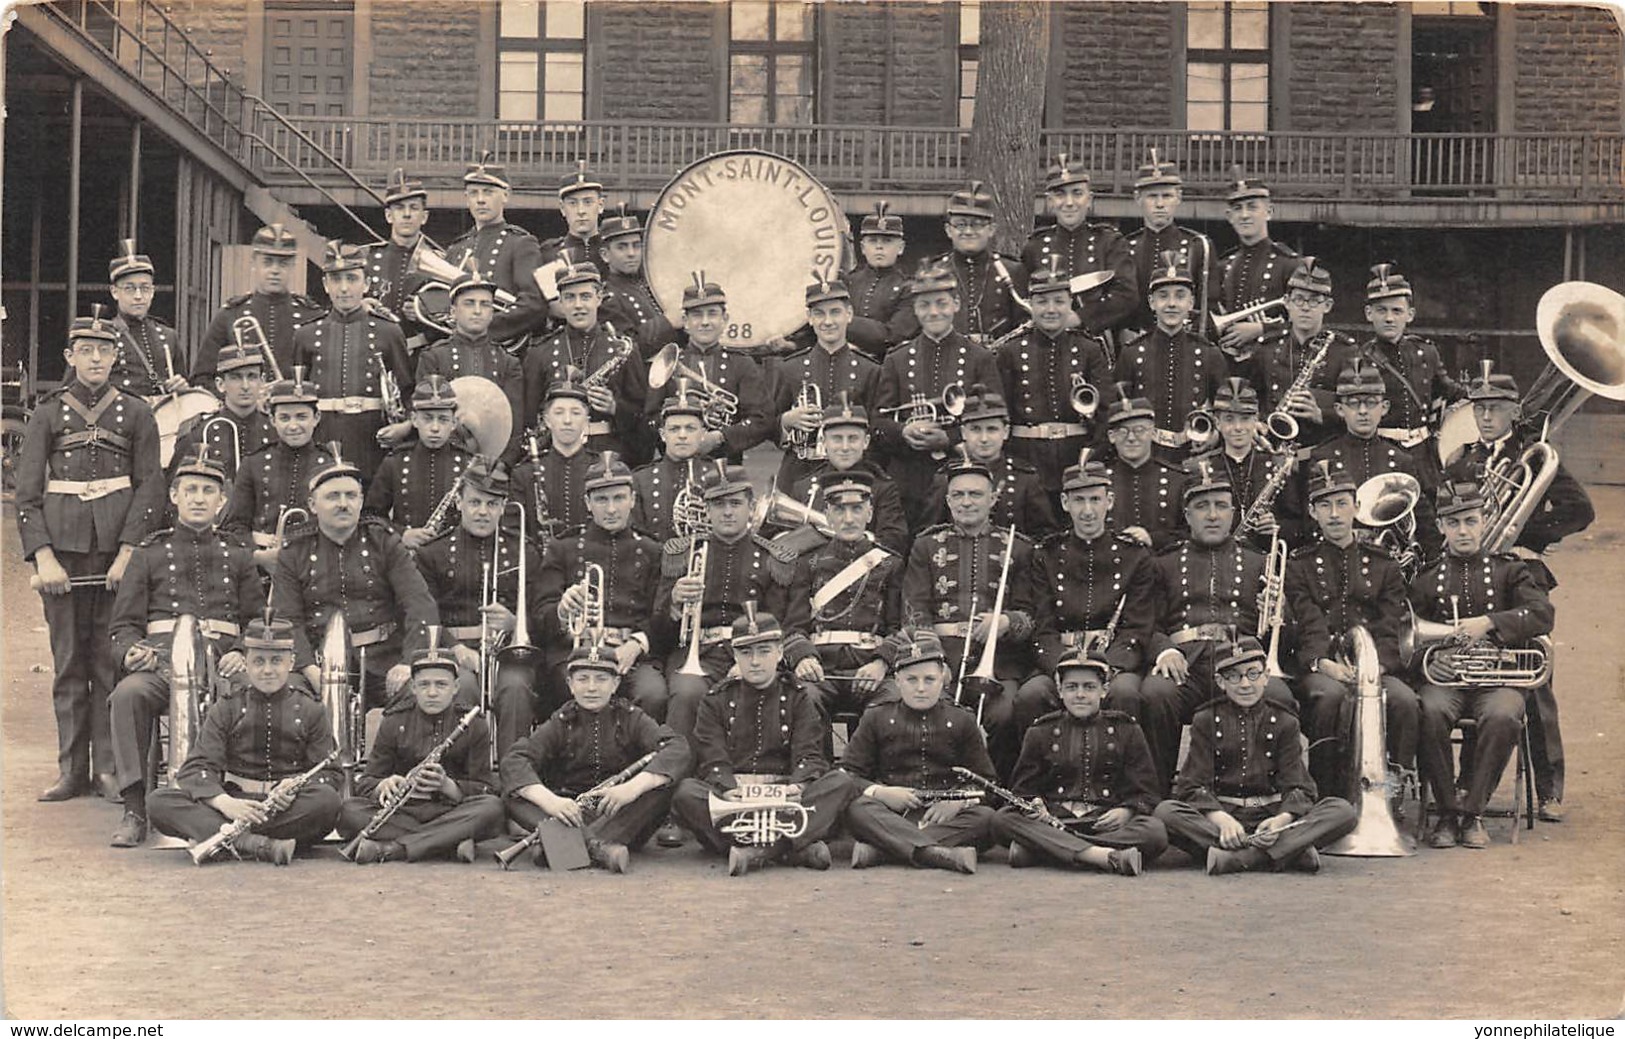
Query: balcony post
{"points": [[134, 211], [76, 111]]}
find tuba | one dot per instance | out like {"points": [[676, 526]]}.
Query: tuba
{"points": [[1452, 660], [190, 677], [1513, 488], [1375, 834], [1386, 504], [345, 711], [759, 823], [808, 445], [1582, 329]]}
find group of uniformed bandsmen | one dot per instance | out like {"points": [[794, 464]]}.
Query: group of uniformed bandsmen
{"points": [[1004, 454]]}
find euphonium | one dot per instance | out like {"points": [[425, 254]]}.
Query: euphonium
{"points": [[189, 675], [1453, 660], [1513, 489], [336, 694], [1371, 786], [1272, 604], [759, 823], [808, 444], [689, 626], [591, 615], [519, 650]]}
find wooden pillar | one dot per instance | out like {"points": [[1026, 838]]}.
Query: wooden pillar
{"points": [[132, 229], [76, 112], [34, 243]]}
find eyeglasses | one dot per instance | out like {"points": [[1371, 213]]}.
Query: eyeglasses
{"points": [[1137, 431], [1304, 299], [136, 290], [969, 225], [1252, 674], [91, 349], [1362, 403]]}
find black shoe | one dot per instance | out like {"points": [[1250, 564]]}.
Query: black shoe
{"points": [[671, 835], [66, 789], [131, 832], [1444, 833], [1473, 834], [955, 860]]}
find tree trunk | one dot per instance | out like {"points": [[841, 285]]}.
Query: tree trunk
{"points": [[1011, 76]]}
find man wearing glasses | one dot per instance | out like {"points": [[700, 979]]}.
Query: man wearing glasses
{"points": [[148, 348], [1281, 356], [1145, 489], [990, 284]]}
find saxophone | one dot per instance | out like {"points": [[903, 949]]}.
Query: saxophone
{"points": [[403, 793], [602, 374], [226, 839], [1267, 494], [1281, 425]]}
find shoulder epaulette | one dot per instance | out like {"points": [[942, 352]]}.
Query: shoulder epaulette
{"points": [[300, 530], [935, 529], [1304, 551], [1127, 539], [516, 229], [1023, 536], [569, 532], [305, 301], [1105, 227], [1281, 249], [1051, 716], [1116, 716], [156, 536], [237, 301]]}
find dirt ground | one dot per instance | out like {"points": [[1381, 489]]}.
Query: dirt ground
{"points": [[1532, 931]]}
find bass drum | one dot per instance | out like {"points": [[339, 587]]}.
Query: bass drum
{"points": [[176, 411], [757, 224], [1456, 430]]}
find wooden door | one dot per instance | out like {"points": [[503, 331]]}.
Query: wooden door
{"points": [[309, 56]]}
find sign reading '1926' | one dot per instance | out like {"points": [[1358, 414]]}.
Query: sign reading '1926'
{"points": [[758, 225]]}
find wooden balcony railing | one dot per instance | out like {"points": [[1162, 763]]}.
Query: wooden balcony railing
{"points": [[1347, 166]]}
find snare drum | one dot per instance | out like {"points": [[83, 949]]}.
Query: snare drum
{"points": [[175, 411]]}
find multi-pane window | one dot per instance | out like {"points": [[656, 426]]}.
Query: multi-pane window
{"points": [[770, 61], [970, 56], [542, 60], [1227, 69]]}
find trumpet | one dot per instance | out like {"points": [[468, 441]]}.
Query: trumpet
{"points": [[591, 615], [699, 553], [1222, 322], [720, 405], [921, 408], [1084, 398], [390, 392], [759, 823], [1272, 604], [808, 445]]}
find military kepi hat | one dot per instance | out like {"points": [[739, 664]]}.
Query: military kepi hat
{"points": [[1063, 172], [1078, 660], [268, 633], [592, 655], [1310, 276], [292, 391], [1234, 654], [1360, 378], [1454, 497], [1243, 187], [1326, 480], [1386, 283], [607, 471], [335, 469], [918, 646], [1493, 385], [399, 189], [274, 240], [619, 225], [1203, 476], [485, 170], [974, 201], [93, 327], [881, 222], [1089, 472], [755, 627], [128, 262], [1156, 173], [339, 256], [434, 392], [200, 464], [703, 293], [486, 475], [579, 180], [433, 655]]}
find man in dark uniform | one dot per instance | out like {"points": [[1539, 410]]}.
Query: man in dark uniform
{"points": [[276, 478], [586, 742], [1331, 586], [454, 803], [1145, 489], [390, 278], [1171, 366], [556, 476], [251, 740], [1092, 771], [658, 484], [273, 254], [239, 381], [356, 356], [89, 490], [1094, 593], [1158, 192], [1493, 598], [469, 350], [832, 368], [846, 451], [882, 317], [986, 283], [629, 303], [1362, 403], [1020, 497], [149, 350], [617, 421], [1043, 372], [705, 315], [343, 561], [1254, 271], [1073, 247], [923, 370], [738, 569], [581, 203], [505, 253], [629, 627], [1563, 510], [1206, 589], [1251, 469], [190, 570], [454, 569], [909, 746], [847, 597], [1281, 355], [762, 727], [1245, 769], [417, 476], [951, 584]]}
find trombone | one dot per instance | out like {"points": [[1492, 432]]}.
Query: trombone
{"points": [[990, 648], [231, 430]]}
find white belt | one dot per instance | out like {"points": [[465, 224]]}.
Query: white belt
{"points": [[598, 429], [207, 625], [1049, 431], [1201, 633], [1250, 801], [860, 639], [1406, 437], [951, 629], [1077, 639], [265, 540], [350, 405], [88, 490], [1168, 438], [720, 633], [460, 632]]}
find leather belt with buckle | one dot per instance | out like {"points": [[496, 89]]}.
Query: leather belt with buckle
{"points": [[88, 490], [1406, 437], [460, 632], [598, 429], [1201, 633], [371, 636], [1251, 801], [350, 405], [1077, 639], [262, 787], [860, 639], [1049, 431], [207, 625], [1168, 438]]}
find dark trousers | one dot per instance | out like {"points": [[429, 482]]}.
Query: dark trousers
{"points": [[514, 699], [1190, 831], [1331, 710], [1545, 744], [631, 826], [1145, 832], [899, 834], [1498, 713], [82, 659], [307, 820], [684, 692], [427, 829], [825, 798], [138, 700]]}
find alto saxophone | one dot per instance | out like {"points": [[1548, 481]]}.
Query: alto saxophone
{"points": [[602, 374], [1281, 425]]}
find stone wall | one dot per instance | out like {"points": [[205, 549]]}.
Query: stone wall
{"points": [[1343, 67], [1568, 69], [425, 59]]}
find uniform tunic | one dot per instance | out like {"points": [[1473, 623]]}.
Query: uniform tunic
{"points": [[1080, 584], [631, 563], [412, 481], [1148, 496], [390, 280], [153, 340], [987, 304], [1363, 458], [274, 478], [1564, 509], [1175, 373], [1083, 250], [1254, 273], [459, 355], [1413, 372], [883, 312], [545, 364], [889, 525], [508, 255], [278, 316], [1248, 477], [1194, 252], [871, 606], [1037, 371], [254, 433], [1275, 366], [657, 485], [563, 482], [1022, 498], [345, 357], [630, 305], [739, 374], [843, 371]]}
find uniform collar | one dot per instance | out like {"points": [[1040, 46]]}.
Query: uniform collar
{"points": [[183, 532], [350, 318], [85, 393]]}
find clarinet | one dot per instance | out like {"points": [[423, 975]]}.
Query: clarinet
{"points": [[539, 514], [932, 795], [226, 839], [588, 800], [1031, 807], [403, 793]]}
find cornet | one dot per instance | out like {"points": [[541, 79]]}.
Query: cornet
{"points": [[1084, 398], [759, 823], [1221, 322], [921, 408], [720, 405], [808, 445], [689, 626], [591, 615]]}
